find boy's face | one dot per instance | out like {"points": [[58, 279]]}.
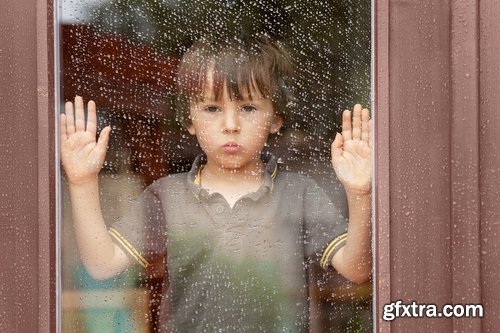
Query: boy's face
{"points": [[232, 132]]}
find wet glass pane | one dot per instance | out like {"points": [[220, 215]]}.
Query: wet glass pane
{"points": [[220, 207]]}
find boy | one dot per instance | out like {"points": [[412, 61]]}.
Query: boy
{"points": [[235, 233]]}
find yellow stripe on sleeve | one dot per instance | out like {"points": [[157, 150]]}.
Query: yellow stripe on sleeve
{"points": [[275, 172], [273, 175], [129, 247], [334, 245]]}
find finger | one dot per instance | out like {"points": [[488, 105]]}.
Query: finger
{"points": [[70, 119], [102, 142], [79, 114], [64, 133], [337, 146], [91, 118], [365, 125], [346, 125], [356, 122]]}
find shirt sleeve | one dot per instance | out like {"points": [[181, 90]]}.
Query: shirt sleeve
{"points": [[141, 233], [325, 225]]}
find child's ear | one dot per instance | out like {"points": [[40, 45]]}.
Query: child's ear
{"points": [[276, 124], [191, 128]]}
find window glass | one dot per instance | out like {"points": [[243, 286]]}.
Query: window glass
{"points": [[225, 266]]}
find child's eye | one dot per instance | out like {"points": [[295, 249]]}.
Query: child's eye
{"points": [[211, 108], [248, 108]]}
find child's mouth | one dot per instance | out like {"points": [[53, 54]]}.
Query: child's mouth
{"points": [[231, 147]]}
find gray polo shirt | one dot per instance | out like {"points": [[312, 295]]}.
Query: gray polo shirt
{"points": [[239, 269]]}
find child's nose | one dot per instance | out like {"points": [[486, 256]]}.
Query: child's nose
{"points": [[231, 122]]}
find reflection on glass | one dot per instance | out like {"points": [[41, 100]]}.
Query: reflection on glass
{"points": [[252, 93]]}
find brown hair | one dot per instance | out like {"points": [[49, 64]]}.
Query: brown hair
{"points": [[243, 65]]}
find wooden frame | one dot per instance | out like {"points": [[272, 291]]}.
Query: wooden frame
{"points": [[381, 198], [27, 226], [436, 89]]}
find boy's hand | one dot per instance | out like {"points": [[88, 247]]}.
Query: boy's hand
{"points": [[82, 157], [351, 151]]}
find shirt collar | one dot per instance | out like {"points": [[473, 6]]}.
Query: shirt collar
{"points": [[193, 176]]}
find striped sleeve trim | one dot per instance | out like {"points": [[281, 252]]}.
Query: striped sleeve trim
{"points": [[273, 175], [129, 247], [331, 249]]}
